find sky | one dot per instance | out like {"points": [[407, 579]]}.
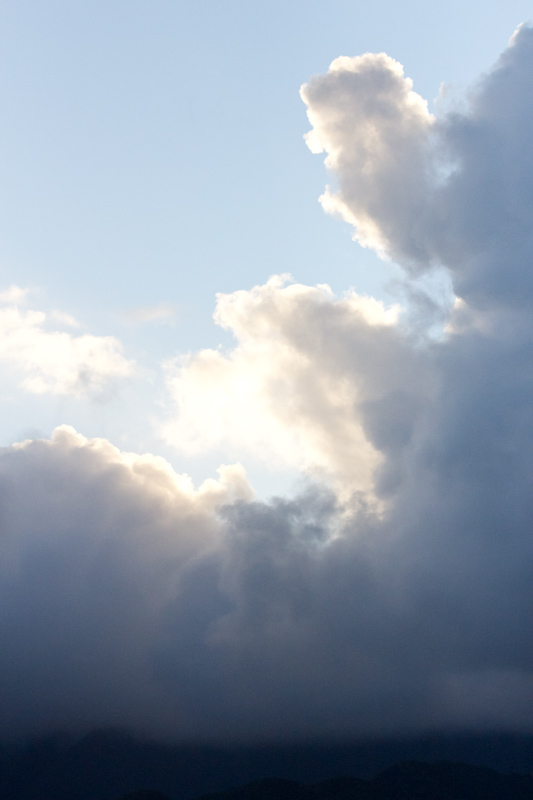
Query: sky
{"points": [[265, 348]]}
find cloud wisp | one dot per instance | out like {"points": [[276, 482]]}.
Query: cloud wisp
{"points": [[163, 313], [394, 594]]}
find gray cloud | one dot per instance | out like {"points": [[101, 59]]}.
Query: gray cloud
{"points": [[393, 599]]}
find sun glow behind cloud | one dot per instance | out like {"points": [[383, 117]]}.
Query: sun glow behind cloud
{"points": [[289, 392]]}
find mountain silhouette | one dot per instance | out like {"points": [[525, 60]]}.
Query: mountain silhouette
{"points": [[406, 781], [111, 765]]}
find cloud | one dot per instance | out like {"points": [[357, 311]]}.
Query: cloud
{"points": [[376, 131], [52, 361], [393, 594], [163, 312], [15, 295], [95, 546], [292, 390], [453, 191]]}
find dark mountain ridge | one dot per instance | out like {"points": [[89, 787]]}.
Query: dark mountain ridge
{"points": [[406, 781], [107, 764]]}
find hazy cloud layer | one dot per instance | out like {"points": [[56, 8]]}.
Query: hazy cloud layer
{"points": [[396, 593]]}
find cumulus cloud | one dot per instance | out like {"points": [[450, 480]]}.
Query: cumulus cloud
{"points": [[52, 361], [96, 546], [393, 595], [292, 390], [426, 191], [376, 132]]}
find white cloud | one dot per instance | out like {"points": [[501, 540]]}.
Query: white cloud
{"points": [[375, 130], [52, 361], [15, 295]]}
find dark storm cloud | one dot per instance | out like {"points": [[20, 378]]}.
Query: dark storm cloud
{"points": [[399, 605]]}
